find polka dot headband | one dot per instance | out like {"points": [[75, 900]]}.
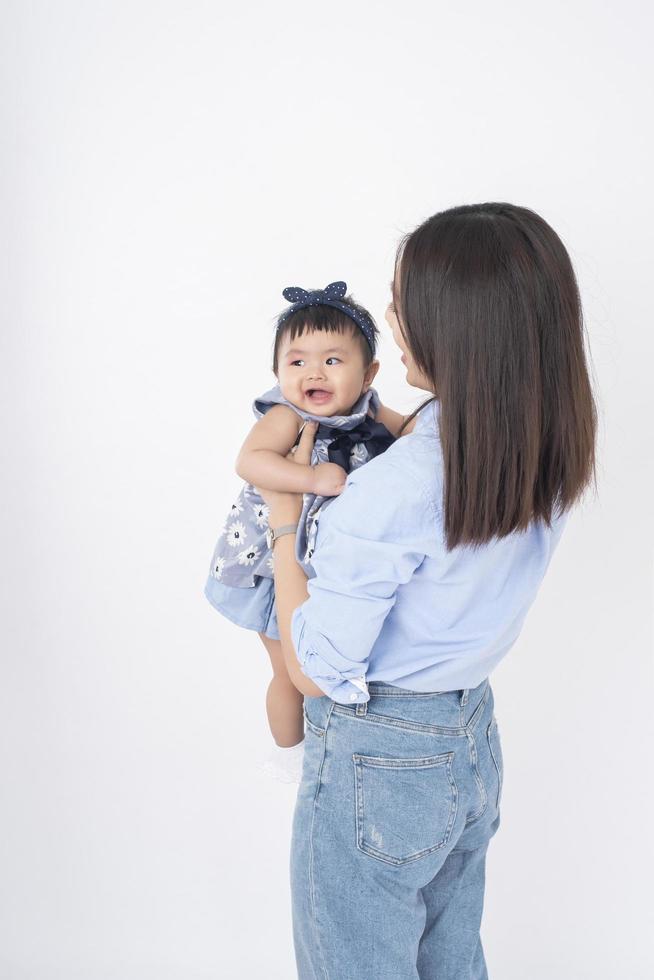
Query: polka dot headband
{"points": [[331, 295]]}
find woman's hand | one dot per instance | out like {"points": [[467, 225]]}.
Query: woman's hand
{"points": [[286, 508]]}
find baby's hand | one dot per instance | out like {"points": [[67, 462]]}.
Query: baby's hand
{"points": [[328, 479]]}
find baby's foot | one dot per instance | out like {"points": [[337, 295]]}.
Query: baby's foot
{"points": [[284, 763]]}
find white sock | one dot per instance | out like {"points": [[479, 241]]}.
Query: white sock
{"points": [[288, 751], [285, 761]]}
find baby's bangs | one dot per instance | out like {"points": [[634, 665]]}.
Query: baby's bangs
{"points": [[314, 318]]}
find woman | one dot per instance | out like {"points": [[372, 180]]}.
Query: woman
{"points": [[426, 566]]}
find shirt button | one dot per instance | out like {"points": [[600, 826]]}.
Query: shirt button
{"points": [[353, 697]]}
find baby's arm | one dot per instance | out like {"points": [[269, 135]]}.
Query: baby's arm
{"points": [[262, 458], [392, 420]]}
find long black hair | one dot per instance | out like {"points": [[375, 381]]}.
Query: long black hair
{"points": [[488, 303]]}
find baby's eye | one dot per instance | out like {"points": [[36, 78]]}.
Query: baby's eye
{"points": [[299, 360]]}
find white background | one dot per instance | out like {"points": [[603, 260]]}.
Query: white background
{"points": [[166, 170]]}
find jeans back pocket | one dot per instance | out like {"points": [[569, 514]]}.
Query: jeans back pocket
{"points": [[405, 808]]}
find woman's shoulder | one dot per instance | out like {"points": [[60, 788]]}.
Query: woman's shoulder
{"points": [[401, 476], [382, 501]]}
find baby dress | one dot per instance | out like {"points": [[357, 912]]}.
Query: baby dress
{"points": [[240, 583]]}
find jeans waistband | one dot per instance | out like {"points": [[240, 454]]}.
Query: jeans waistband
{"points": [[382, 689]]}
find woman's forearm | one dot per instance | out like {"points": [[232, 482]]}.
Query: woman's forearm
{"points": [[290, 592]]}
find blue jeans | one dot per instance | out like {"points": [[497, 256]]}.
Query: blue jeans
{"points": [[398, 802]]}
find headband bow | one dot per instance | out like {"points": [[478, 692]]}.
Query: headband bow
{"points": [[335, 290], [331, 295]]}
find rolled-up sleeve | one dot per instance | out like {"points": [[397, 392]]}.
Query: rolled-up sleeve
{"points": [[369, 543]]}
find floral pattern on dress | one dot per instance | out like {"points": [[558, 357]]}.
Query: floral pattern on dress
{"points": [[261, 513], [217, 567], [236, 534], [249, 556]]}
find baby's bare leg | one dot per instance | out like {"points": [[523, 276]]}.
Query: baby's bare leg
{"points": [[283, 700]]}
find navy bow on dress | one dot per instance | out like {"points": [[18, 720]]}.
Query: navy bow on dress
{"points": [[374, 434]]}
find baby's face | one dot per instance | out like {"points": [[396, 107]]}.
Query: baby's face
{"points": [[322, 372]]}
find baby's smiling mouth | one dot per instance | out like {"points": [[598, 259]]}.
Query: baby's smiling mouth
{"points": [[319, 394]]}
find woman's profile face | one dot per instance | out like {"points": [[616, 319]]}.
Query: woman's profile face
{"points": [[414, 376]]}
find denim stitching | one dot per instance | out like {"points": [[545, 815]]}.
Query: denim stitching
{"points": [[477, 713], [413, 726], [482, 789], [402, 723], [387, 692], [312, 891], [493, 724], [310, 724], [444, 759], [472, 724]]}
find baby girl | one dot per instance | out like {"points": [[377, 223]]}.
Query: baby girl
{"points": [[324, 362]]}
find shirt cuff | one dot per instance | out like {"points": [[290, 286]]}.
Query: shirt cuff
{"points": [[343, 681]]}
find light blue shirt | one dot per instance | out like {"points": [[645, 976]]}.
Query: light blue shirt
{"points": [[389, 603]]}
